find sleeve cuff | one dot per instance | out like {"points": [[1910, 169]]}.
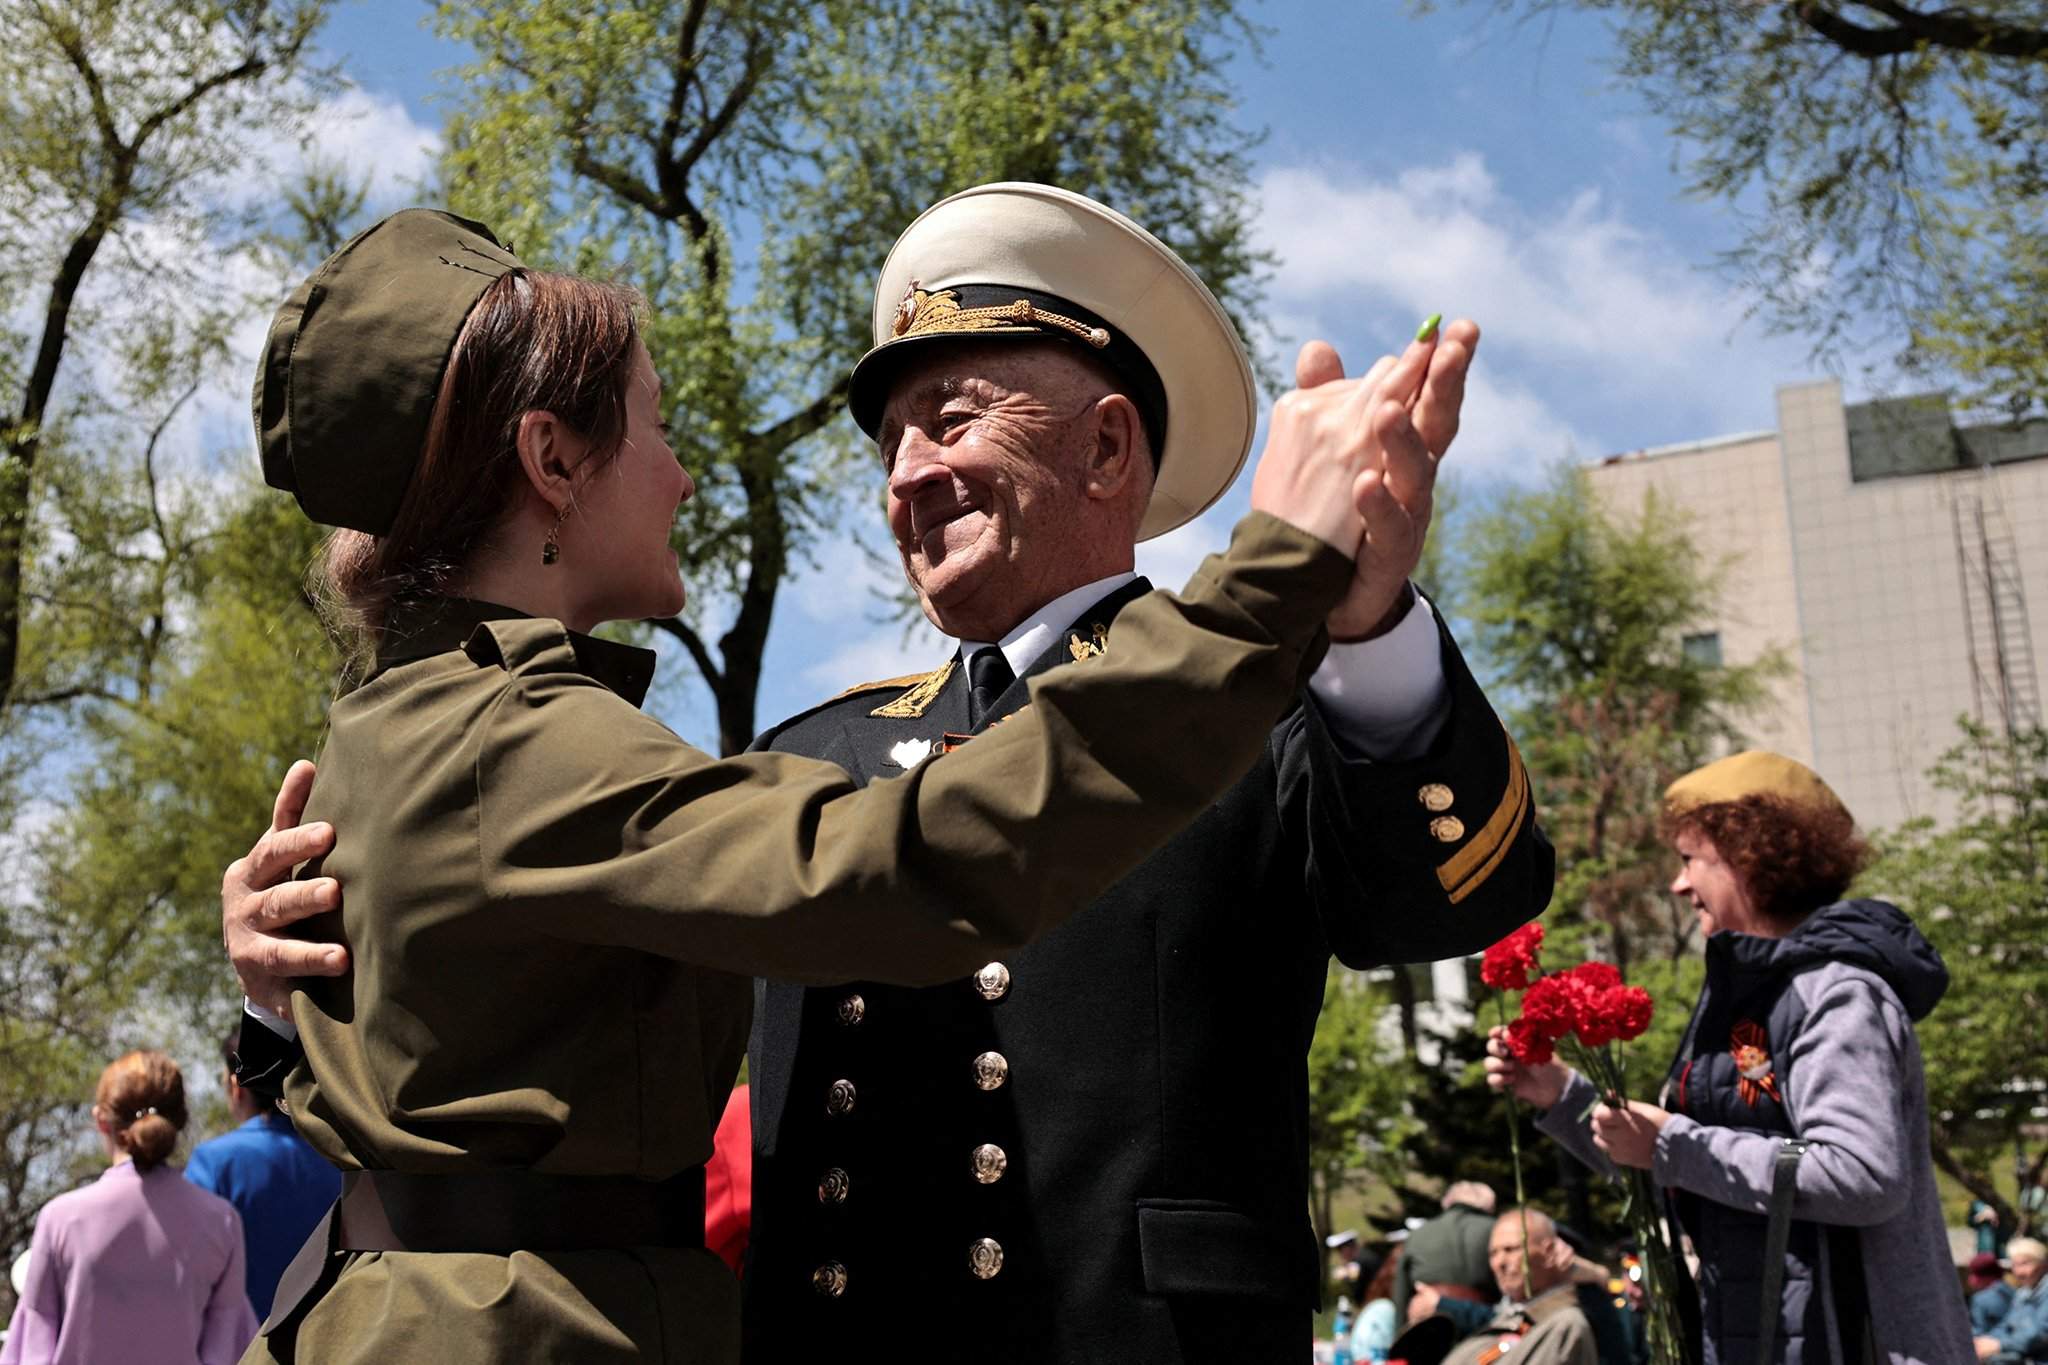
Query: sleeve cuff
{"points": [[1386, 699], [1669, 1152], [270, 1019]]}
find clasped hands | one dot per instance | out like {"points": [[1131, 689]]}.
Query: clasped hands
{"points": [[1383, 433]]}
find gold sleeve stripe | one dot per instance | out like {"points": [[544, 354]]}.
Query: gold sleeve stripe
{"points": [[1469, 868]]}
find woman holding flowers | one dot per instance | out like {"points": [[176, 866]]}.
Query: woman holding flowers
{"points": [[1803, 1031]]}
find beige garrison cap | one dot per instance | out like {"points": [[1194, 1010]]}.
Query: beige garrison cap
{"points": [[1033, 262], [1754, 772], [353, 363]]}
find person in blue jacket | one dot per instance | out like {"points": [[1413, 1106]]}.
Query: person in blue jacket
{"points": [[2022, 1336], [272, 1176]]}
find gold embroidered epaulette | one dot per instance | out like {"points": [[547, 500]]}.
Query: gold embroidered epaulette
{"points": [[879, 685], [924, 690]]}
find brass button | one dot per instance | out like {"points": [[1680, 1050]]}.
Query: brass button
{"points": [[993, 981], [834, 1186], [1435, 796], [839, 1099], [985, 1258], [829, 1279], [990, 1161], [1448, 829], [852, 1010], [991, 1069]]}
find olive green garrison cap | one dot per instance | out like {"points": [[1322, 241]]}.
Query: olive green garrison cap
{"points": [[354, 359]]}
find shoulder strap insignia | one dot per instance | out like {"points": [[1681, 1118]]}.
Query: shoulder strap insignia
{"points": [[1082, 647], [879, 685], [915, 702]]}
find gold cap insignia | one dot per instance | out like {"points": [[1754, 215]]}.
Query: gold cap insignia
{"points": [[923, 312], [906, 310]]}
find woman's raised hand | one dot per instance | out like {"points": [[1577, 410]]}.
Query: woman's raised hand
{"points": [[1541, 1085]]}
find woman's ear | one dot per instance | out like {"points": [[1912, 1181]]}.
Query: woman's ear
{"points": [[550, 453], [1119, 446]]}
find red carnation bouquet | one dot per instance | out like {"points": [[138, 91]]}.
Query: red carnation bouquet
{"points": [[1585, 1011]]}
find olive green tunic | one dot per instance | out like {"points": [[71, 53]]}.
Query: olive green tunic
{"points": [[539, 875]]}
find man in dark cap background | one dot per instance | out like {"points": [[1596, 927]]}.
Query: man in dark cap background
{"points": [[1096, 1149]]}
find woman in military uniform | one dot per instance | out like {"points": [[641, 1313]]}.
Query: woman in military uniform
{"points": [[554, 903]]}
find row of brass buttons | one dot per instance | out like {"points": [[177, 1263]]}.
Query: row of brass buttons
{"points": [[984, 1262], [991, 1071], [989, 1162]]}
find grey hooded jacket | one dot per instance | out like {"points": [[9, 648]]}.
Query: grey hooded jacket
{"points": [[1837, 998]]}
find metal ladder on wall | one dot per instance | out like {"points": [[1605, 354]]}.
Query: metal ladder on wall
{"points": [[2002, 674]]}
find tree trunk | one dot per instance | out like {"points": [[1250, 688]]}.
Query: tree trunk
{"points": [[1404, 998], [24, 439], [1982, 1186]]}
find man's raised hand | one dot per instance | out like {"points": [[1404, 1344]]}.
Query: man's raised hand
{"points": [[258, 899]]}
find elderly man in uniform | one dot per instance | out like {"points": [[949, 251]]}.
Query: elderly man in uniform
{"points": [[1095, 1150], [1545, 1315]]}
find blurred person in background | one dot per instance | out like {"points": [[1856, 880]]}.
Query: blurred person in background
{"points": [[1379, 1318], [1990, 1295], [1800, 1072], [272, 1176], [1446, 1257], [2021, 1336], [1547, 1314], [139, 1265]]}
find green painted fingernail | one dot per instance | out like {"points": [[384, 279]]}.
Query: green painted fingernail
{"points": [[1428, 327]]}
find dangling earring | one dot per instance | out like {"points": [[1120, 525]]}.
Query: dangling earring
{"points": [[551, 550]]}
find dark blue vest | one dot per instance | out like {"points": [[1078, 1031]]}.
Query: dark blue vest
{"points": [[1731, 1072]]}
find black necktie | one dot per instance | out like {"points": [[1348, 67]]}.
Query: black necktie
{"points": [[988, 677]]}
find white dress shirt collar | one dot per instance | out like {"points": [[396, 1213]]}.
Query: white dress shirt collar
{"points": [[1036, 632]]}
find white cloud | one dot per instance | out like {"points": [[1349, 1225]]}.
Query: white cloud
{"points": [[880, 653], [1505, 428], [149, 272], [373, 137], [1582, 310]]}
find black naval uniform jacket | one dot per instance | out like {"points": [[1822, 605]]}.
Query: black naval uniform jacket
{"points": [[1096, 1149]]}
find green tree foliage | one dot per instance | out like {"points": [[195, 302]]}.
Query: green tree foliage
{"points": [[1979, 890], [195, 670], [120, 121], [1890, 160], [1579, 612], [747, 167], [1359, 1083]]}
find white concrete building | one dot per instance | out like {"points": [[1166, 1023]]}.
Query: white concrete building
{"points": [[1899, 560]]}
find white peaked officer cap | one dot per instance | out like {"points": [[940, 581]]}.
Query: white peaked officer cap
{"points": [[1036, 263]]}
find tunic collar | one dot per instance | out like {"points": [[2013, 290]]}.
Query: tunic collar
{"points": [[1038, 632], [440, 625]]}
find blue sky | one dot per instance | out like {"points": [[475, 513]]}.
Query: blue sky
{"points": [[1458, 162]]}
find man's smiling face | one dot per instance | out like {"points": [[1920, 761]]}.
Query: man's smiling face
{"points": [[985, 448]]}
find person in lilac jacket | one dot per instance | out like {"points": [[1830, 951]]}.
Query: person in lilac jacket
{"points": [[140, 1258]]}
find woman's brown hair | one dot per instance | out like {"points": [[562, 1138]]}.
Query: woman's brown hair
{"points": [[141, 1098], [1792, 859], [534, 342]]}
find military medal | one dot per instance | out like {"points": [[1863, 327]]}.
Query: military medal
{"points": [[1752, 1057]]}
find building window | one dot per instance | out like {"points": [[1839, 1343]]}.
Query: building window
{"points": [[1704, 649]]}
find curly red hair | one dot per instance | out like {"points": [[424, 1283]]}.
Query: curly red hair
{"points": [[1791, 859]]}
